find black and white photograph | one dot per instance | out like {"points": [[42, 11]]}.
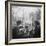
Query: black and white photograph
{"points": [[25, 22]]}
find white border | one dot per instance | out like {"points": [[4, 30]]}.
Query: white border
{"points": [[27, 39]]}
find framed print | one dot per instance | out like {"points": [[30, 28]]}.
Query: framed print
{"points": [[24, 22]]}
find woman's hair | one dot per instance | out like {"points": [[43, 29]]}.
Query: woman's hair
{"points": [[18, 22]]}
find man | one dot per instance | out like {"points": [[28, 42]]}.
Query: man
{"points": [[37, 29]]}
